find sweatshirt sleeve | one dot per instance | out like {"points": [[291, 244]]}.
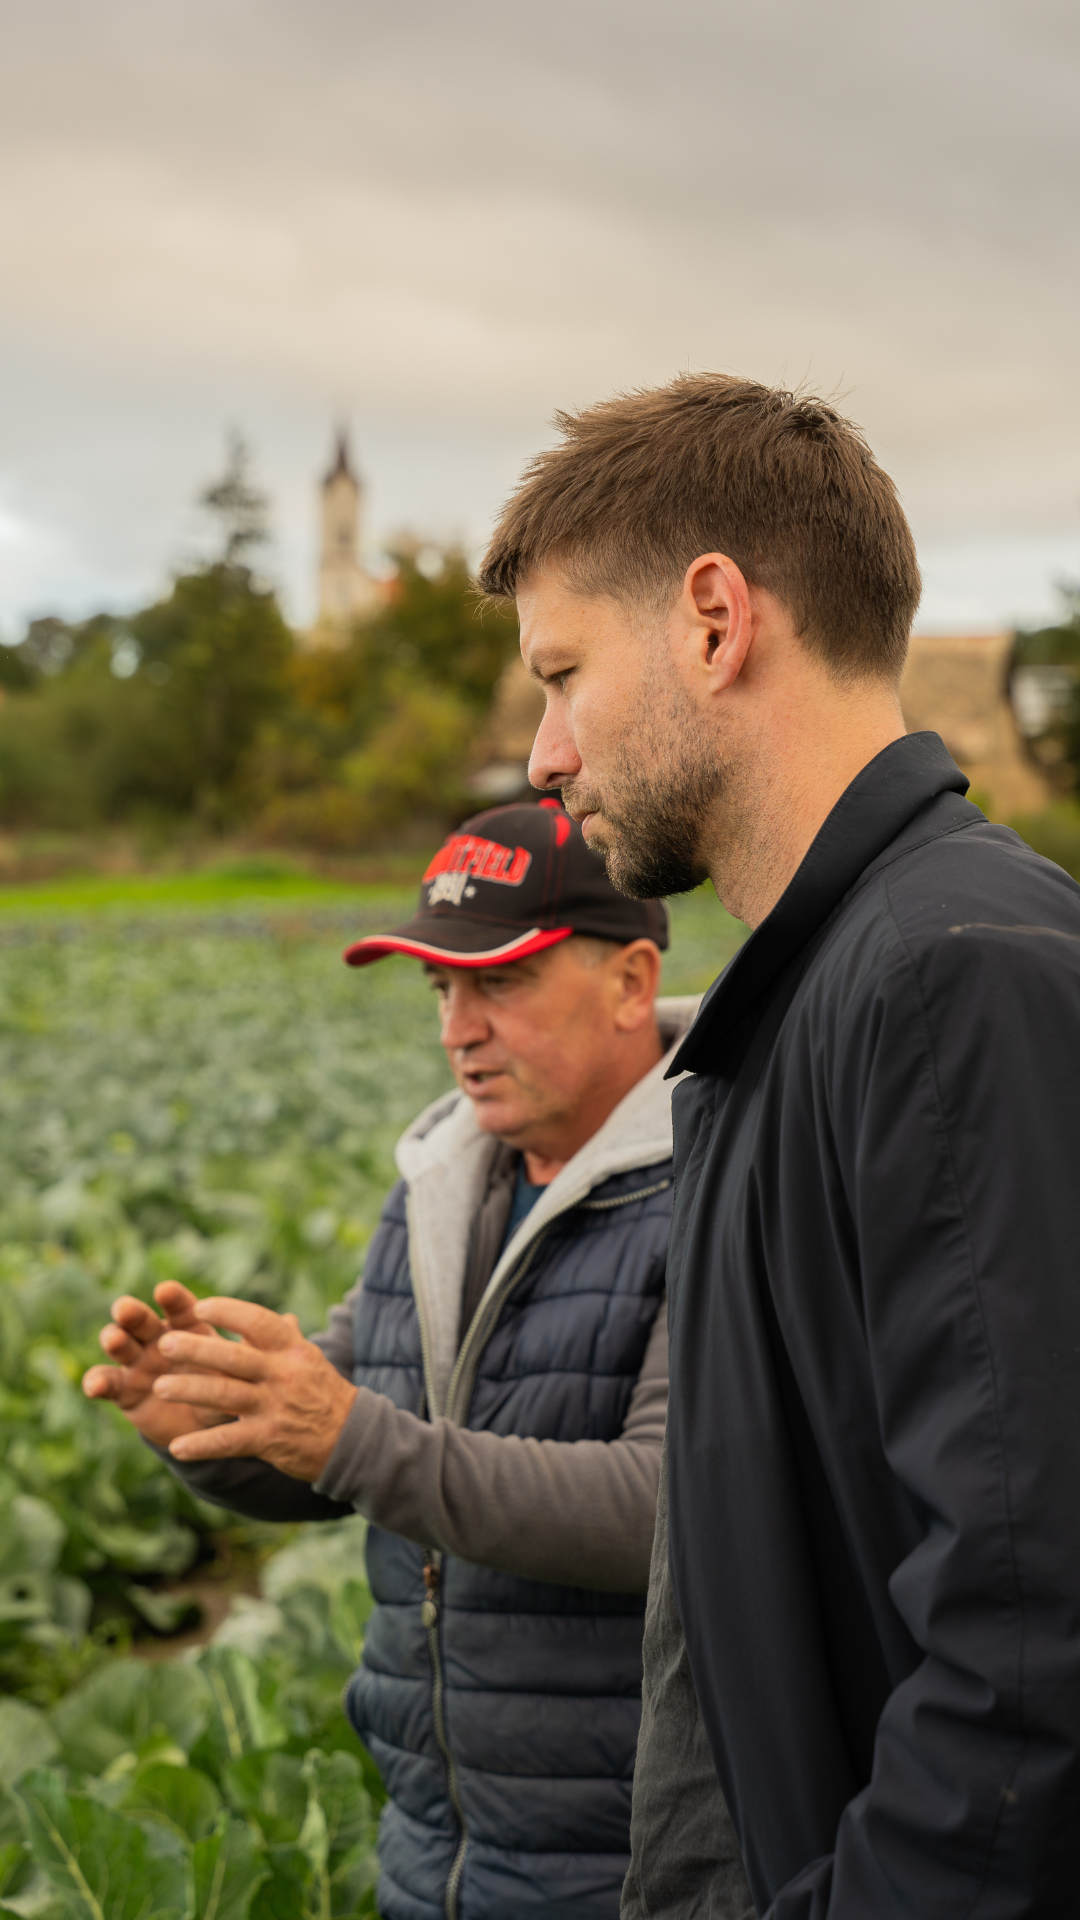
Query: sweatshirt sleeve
{"points": [[255, 1489], [580, 1513]]}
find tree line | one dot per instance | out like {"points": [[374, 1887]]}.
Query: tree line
{"points": [[203, 707]]}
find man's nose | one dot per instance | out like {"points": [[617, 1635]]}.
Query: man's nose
{"points": [[463, 1021], [554, 757]]}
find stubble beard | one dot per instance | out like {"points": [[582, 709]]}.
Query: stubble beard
{"points": [[654, 812]]}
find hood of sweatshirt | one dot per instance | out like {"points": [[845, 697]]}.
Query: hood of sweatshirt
{"points": [[445, 1159]]}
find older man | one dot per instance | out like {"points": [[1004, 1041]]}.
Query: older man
{"points": [[492, 1396], [874, 1443]]}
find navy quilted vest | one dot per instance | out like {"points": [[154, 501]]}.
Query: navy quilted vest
{"points": [[505, 1720]]}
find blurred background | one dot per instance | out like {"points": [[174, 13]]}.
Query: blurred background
{"points": [[249, 246], [290, 289]]}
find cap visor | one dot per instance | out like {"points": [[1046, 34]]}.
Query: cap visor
{"points": [[377, 946]]}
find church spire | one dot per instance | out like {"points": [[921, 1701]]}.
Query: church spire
{"points": [[346, 590], [342, 467]]}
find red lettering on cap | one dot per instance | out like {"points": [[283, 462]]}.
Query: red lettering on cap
{"points": [[484, 859]]}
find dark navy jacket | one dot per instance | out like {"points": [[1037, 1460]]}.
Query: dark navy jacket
{"points": [[503, 1713], [874, 1302]]}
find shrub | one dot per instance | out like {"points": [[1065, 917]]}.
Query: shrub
{"points": [[1055, 833]]}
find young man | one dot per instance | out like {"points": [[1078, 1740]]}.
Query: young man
{"points": [[492, 1396], [874, 1442]]}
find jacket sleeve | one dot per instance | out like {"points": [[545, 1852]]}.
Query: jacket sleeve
{"points": [[959, 1092], [579, 1513]]}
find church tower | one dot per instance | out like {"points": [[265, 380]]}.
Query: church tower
{"points": [[346, 591]]}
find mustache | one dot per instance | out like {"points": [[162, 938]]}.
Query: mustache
{"points": [[577, 798]]}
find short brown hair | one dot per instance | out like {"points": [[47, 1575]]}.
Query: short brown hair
{"points": [[780, 482]]}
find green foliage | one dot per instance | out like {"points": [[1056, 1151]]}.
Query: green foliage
{"points": [[435, 626], [1053, 646], [220, 1107], [152, 713], [217, 650], [1055, 833], [1050, 656], [216, 1109], [201, 705], [101, 1865], [239, 506], [206, 1790], [381, 730]]}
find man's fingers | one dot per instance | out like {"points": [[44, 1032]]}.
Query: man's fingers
{"points": [[239, 1440], [258, 1325], [120, 1346], [178, 1304], [136, 1318], [205, 1389], [102, 1383], [216, 1356]]}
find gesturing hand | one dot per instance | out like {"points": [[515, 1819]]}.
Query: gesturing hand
{"points": [[283, 1400], [132, 1341]]}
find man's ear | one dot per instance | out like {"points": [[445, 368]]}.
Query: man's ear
{"points": [[716, 618], [639, 976]]}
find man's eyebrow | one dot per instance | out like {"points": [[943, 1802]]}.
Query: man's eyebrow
{"points": [[537, 672]]}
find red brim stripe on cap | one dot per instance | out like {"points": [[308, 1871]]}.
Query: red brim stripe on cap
{"points": [[377, 945]]}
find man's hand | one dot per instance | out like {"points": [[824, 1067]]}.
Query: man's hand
{"points": [[132, 1341], [283, 1400]]}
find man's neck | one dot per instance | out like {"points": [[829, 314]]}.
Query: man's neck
{"points": [[540, 1170], [792, 777]]}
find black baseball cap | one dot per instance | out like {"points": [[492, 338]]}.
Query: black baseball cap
{"points": [[510, 882]]}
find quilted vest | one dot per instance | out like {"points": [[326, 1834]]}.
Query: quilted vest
{"points": [[502, 1712]]}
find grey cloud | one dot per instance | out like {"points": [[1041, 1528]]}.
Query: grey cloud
{"points": [[449, 220]]}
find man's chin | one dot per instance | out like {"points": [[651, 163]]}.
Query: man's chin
{"points": [[494, 1115], [651, 874]]}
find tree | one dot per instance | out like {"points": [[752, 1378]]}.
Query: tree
{"points": [[380, 731], [156, 711], [1046, 677], [240, 507], [217, 649]]}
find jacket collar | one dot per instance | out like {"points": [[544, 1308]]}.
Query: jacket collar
{"points": [[445, 1160], [903, 779]]}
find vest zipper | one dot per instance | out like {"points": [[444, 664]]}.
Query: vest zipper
{"points": [[429, 1616], [459, 1390], [458, 1396], [462, 1377]]}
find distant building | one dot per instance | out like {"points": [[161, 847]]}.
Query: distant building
{"points": [[347, 592], [958, 686]]}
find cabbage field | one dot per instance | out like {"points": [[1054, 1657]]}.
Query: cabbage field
{"points": [[208, 1095]]}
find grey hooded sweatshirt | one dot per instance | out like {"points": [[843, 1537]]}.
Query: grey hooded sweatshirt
{"points": [[578, 1512]]}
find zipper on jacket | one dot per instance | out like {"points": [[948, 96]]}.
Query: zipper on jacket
{"points": [[458, 1396], [429, 1616], [462, 1377], [425, 1333]]}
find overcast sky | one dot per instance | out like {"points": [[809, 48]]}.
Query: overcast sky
{"points": [[441, 219]]}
